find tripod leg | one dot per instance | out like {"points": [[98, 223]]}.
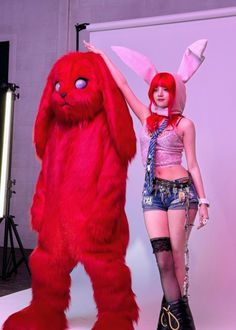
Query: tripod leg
{"points": [[12, 253], [9, 257], [25, 259], [5, 250]]}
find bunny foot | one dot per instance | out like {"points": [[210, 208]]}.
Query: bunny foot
{"points": [[36, 318]]}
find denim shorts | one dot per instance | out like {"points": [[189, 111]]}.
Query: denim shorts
{"points": [[179, 194]]}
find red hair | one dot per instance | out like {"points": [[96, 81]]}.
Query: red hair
{"points": [[166, 80], [163, 79]]}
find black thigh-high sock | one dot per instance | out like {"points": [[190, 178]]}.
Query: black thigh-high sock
{"points": [[164, 257]]}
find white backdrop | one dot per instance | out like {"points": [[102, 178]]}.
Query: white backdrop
{"points": [[211, 105]]}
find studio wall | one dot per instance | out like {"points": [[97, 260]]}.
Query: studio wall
{"points": [[209, 104]]}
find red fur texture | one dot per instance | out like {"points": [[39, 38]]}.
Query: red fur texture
{"points": [[85, 139]]}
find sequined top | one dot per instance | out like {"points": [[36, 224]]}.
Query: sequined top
{"points": [[169, 148]]}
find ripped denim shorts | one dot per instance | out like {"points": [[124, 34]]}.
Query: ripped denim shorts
{"points": [[166, 195]]}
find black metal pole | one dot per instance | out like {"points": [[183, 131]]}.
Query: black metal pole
{"points": [[78, 28]]}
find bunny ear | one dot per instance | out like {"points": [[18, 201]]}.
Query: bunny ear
{"points": [[192, 59], [43, 119], [139, 63]]}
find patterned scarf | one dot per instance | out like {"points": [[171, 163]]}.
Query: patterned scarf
{"points": [[150, 167]]}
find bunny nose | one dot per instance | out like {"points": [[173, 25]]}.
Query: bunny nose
{"points": [[63, 94]]}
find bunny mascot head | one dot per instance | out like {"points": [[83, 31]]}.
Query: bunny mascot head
{"points": [[79, 87], [192, 59], [84, 136]]}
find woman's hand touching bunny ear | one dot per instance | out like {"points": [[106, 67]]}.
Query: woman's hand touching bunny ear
{"points": [[92, 48]]}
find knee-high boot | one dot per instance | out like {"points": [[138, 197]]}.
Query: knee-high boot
{"points": [[162, 323], [188, 312]]}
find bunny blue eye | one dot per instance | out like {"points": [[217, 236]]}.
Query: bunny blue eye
{"points": [[57, 86], [81, 83]]}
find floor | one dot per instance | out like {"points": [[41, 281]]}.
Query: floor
{"points": [[16, 282], [15, 294], [82, 312]]}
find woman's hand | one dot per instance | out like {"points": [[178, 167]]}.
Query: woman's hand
{"points": [[92, 48], [140, 110], [203, 215]]}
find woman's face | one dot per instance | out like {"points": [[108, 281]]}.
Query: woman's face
{"points": [[161, 96]]}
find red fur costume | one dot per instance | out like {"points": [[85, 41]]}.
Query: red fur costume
{"points": [[85, 139]]}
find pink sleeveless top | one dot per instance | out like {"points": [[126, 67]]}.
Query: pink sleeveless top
{"points": [[169, 148]]}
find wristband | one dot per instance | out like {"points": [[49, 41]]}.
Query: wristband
{"points": [[203, 201]]}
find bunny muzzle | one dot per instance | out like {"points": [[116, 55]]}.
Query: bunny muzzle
{"points": [[76, 95]]}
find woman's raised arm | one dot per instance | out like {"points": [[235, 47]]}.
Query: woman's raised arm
{"points": [[140, 110]]}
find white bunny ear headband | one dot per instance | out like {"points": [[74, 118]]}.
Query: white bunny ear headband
{"points": [[142, 66]]}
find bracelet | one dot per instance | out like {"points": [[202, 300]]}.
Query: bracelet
{"points": [[203, 201]]}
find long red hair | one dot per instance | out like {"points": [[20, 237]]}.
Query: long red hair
{"points": [[166, 80]]}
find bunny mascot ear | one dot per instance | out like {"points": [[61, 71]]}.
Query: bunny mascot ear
{"points": [[43, 119], [139, 63], [117, 113], [192, 59]]}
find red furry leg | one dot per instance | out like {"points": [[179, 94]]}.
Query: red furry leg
{"points": [[114, 297], [36, 318], [50, 288]]}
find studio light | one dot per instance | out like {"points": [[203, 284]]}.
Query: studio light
{"points": [[9, 261], [7, 113]]}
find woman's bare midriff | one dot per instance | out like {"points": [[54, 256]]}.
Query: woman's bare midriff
{"points": [[171, 172]]}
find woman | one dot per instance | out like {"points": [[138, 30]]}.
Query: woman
{"points": [[171, 194]]}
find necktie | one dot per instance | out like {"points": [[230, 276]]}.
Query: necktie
{"points": [[150, 167]]}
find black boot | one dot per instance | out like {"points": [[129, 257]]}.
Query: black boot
{"points": [[189, 315], [177, 315], [162, 322]]}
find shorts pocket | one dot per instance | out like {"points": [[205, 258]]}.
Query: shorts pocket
{"points": [[193, 198], [147, 200]]}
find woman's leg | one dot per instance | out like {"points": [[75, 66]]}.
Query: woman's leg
{"points": [[182, 319], [156, 222], [157, 227], [179, 237]]}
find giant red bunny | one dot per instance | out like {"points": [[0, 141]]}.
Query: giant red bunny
{"points": [[85, 139]]}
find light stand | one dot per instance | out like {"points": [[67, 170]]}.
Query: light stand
{"points": [[79, 27], [9, 263]]}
